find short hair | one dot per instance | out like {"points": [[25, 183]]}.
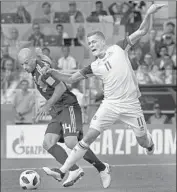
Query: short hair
{"points": [[156, 106], [46, 3], [59, 25], [35, 24], [170, 23], [24, 80], [99, 2], [163, 46], [46, 48], [98, 33], [72, 3]]}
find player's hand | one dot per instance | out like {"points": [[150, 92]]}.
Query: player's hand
{"points": [[154, 8], [49, 70], [43, 112], [45, 69]]}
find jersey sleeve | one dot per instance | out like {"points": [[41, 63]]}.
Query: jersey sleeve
{"points": [[124, 43], [50, 80], [86, 71]]}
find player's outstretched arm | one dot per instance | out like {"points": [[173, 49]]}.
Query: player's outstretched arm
{"points": [[71, 78], [66, 77], [145, 25]]}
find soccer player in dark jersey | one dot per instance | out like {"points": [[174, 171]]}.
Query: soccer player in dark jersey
{"points": [[66, 123]]}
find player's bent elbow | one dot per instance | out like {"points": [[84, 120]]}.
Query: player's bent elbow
{"points": [[71, 141]]}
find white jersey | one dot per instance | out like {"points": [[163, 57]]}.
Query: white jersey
{"points": [[115, 70]]}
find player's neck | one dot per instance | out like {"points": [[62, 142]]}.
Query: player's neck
{"points": [[103, 53]]}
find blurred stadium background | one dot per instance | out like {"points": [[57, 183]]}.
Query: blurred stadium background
{"points": [[60, 29]]}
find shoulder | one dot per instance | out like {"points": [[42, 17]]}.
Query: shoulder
{"points": [[114, 49], [71, 58], [60, 59], [65, 35], [104, 12], [93, 63], [152, 116]]}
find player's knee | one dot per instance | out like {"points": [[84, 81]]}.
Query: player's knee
{"points": [[50, 140], [91, 136], [46, 145], [71, 141], [142, 141]]}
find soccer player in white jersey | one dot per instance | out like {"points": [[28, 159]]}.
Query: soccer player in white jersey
{"points": [[121, 92]]}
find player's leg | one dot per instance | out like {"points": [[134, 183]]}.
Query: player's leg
{"points": [[80, 149], [138, 123], [73, 131], [50, 143], [84, 151], [70, 134], [90, 157], [103, 119], [53, 134], [75, 114]]}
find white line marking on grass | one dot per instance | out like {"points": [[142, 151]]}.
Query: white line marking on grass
{"points": [[88, 167]]}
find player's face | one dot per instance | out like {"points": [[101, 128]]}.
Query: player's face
{"points": [[157, 111], [60, 30], [99, 7], [169, 29], [163, 51], [29, 66], [24, 86], [36, 29], [9, 65], [46, 9], [96, 45], [72, 8]]}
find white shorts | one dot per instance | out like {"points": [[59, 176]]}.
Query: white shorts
{"points": [[110, 112]]}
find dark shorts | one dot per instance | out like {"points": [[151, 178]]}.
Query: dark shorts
{"points": [[67, 123]]}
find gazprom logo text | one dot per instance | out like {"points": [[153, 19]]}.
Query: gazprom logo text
{"points": [[19, 147]]}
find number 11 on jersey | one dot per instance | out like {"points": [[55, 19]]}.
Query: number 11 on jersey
{"points": [[108, 66]]}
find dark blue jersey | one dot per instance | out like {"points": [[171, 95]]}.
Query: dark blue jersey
{"points": [[46, 85]]}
